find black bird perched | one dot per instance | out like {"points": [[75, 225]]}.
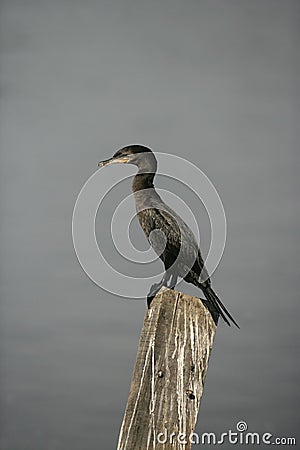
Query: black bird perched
{"points": [[168, 234]]}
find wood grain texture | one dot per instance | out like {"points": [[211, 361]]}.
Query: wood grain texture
{"points": [[169, 374]]}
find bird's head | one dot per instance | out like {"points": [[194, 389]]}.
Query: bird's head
{"points": [[138, 155]]}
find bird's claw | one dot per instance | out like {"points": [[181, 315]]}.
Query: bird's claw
{"points": [[152, 293], [149, 300]]}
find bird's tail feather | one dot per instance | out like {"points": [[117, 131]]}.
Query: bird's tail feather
{"points": [[216, 303]]}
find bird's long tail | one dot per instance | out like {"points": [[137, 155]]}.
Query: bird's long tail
{"points": [[216, 304]]}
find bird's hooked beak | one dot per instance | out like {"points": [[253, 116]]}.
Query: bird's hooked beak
{"points": [[122, 160]]}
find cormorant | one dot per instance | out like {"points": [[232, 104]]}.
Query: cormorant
{"points": [[167, 233]]}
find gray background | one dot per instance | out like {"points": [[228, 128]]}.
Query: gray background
{"points": [[213, 81]]}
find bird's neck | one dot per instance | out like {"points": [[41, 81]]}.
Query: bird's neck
{"points": [[147, 166], [142, 181]]}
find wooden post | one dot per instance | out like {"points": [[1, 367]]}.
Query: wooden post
{"points": [[169, 374]]}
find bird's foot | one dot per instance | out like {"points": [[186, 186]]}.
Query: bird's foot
{"points": [[157, 286], [173, 282], [149, 300], [153, 291]]}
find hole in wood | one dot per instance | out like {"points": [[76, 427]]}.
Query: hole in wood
{"points": [[190, 395]]}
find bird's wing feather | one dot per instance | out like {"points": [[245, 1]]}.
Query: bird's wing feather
{"points": [[180, 243]]}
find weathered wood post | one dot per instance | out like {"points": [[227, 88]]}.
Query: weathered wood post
{"points": [[169, 374]]}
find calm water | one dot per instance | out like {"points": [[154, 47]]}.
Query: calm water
{"points": [[212, 81]]}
